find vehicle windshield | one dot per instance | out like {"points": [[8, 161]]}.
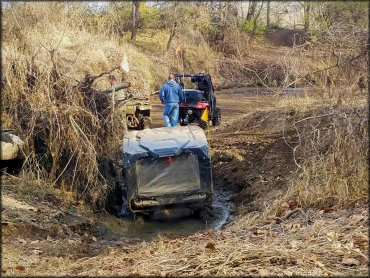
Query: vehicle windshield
{"points": [[167, 175]]}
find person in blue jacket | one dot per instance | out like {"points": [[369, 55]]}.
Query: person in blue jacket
{"points": [[171, 95]]}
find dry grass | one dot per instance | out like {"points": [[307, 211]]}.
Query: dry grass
{"points": [[295, 247], [329, 142], [332, 152], [43, 61], [301, 150], [47, 52]]}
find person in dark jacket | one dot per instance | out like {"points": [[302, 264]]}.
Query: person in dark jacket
{"points": [[204, 84], [171, 95]]}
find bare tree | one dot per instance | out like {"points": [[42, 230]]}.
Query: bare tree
{"points": [[251, 9], [255, 23], [172, 34], [174, 19], [241, 9], [221, 10], [134, 18], [306, 8], [268, 10]]}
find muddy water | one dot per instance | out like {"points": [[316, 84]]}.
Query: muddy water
{"points": [[147, 229]]}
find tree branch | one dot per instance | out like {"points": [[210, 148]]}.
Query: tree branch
{"points": [[115, 88]]}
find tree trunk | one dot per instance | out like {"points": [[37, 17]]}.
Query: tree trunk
{"points": [[255, 24], [268, 14], [221, 11], [307, 6], [172, 34], [251, 9], [241, 9], [134, 18]]}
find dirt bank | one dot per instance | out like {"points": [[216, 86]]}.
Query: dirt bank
{"points": [[258, 155]]}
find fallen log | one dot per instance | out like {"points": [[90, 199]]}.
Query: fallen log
{"points": [[289, 214], [86, 83], [115, 88]]}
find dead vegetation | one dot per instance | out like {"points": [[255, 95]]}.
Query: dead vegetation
{"points": [[66, 123], [316, 157], [298, 165], [297, 245], [56, 92]]}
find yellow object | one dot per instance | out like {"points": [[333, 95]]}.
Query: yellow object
{"points": [[205, 115], [179, 49]]}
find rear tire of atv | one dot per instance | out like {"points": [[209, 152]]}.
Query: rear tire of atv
{"points": [[216, 120], [182, 123], [203, 124]]}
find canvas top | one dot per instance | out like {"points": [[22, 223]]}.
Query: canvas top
{"points": [[163, 142]]}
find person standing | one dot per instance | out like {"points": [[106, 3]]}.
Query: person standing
{"points": [[171, 95]]}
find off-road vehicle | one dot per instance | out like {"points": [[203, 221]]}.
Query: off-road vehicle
{"points": [[167, 171], [138, 113], [200, 103]]}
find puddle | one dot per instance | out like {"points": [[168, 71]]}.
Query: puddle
{"points": [[148, 229]]}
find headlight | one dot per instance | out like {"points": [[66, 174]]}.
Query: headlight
{"points": [[190, 112]]}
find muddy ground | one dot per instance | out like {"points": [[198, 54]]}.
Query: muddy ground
{"points": [[43, 236]]}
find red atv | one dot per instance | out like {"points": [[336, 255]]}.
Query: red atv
{"points": [[200, 103]]}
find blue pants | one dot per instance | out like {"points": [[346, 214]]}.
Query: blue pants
{"points": [[171, 110]]}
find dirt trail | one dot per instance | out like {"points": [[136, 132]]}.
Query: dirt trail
{"points": [[250, 159], [233, 103]]}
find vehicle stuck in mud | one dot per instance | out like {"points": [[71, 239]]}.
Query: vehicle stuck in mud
{"points": [[167, 171]]}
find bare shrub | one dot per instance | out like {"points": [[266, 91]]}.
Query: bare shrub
{"points": [[332, 151], [67, 124]]}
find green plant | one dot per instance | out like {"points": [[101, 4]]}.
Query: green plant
{"points": [[249, 24], [16, 221]]}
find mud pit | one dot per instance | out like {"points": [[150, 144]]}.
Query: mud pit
{"points": [[234, 103]]}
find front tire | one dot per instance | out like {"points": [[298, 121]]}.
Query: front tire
{"points": [[147, 122]]}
